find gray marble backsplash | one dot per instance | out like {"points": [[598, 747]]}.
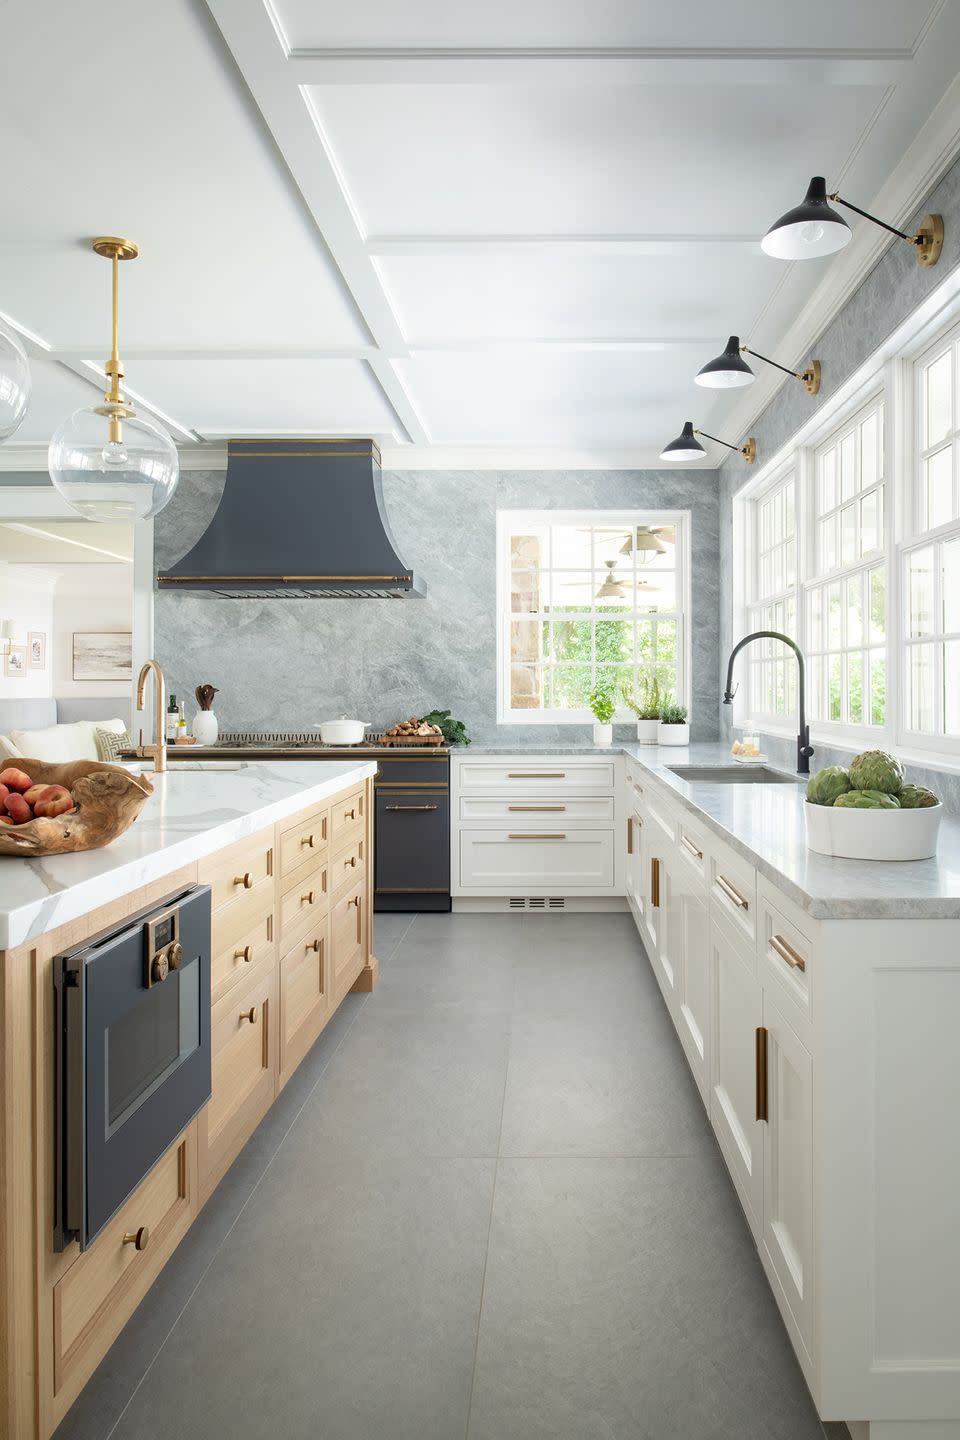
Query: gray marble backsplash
{"points": [[289, 664]]}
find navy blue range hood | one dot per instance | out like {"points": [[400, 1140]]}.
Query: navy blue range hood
{"points": [[299, 519]]}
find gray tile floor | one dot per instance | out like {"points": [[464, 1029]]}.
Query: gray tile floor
{"points": [[487, 1207]]}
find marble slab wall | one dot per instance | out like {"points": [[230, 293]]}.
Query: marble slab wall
{"points": [[892, 291], [289, 664]]}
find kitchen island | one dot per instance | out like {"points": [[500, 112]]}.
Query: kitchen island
{"points": [[280, 858]]}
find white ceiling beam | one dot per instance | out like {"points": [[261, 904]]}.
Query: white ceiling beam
{"points": [[646, 246], [594, 66]]}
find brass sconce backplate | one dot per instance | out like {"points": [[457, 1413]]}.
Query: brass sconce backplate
{"points": [[812, 377], [929, 241], [749, 451]]}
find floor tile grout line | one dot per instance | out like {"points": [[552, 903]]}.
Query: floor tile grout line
{"points": [[236, 1219]]}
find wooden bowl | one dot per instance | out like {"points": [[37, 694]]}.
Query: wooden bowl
{"points": [[106, 798]]}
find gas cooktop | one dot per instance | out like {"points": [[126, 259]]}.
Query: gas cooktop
{"points": [[300, 740]]}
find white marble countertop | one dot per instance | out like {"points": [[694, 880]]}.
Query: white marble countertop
{"points": [[191, 813]]}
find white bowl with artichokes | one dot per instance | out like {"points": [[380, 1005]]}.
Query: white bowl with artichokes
{"points": [[868, 811]]}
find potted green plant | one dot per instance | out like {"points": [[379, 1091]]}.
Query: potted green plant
{"points": [[674, 727], [646, 706], [603, 706]]}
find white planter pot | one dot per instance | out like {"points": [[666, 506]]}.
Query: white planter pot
{"points": [[602, 734], [205, 727], [673, 734], [647, 731], [873, 834]]}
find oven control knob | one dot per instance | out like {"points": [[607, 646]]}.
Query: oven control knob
{"points": [[159, 968], [175, 955]]}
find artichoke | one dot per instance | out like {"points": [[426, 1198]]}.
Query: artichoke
{"points": [[827, 785], [876, 770], [916, 797], [867, 800]]}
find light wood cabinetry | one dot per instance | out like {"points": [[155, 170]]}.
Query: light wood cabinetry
{"points": [[276, 977]]}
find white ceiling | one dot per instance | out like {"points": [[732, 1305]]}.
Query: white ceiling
{"points": [[468, 232]]}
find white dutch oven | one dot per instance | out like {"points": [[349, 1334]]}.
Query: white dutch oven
{"points": [[343, 731], [873, 834]]}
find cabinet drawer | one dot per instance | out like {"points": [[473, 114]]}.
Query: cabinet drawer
{"points": [[507, 862], [304, 995], [413, 768], [525, 776], [786, 959], [348, 922], [241, 876], [733, 891], [347, 813], [240, 947], [304, 840], [692, 851], [535, 810], [349, 865], [104, 1285], [303, 904], [243, 1037]]}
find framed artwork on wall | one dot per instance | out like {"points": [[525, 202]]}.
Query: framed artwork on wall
{"points": [[15, 662], [103, 655], [36, 650]]}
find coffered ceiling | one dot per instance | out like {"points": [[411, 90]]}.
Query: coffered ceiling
{"points": [[485, 235]]}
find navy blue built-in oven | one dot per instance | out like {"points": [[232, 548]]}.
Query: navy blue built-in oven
{"points": [[133, 1055]]}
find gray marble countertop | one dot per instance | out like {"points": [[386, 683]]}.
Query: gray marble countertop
{"points": [[191, 813], [766, 824]]}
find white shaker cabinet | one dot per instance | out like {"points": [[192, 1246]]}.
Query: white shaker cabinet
{"points": [[735, 1033]]}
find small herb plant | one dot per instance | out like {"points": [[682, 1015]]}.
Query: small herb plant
{"points": [[454, 731], [673, 714], [602, 703], [646, 704]]}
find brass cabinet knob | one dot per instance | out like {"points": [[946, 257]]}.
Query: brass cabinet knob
{"points": [[139, 1239], [175, 955], [250, 1014], [246, 954], [350, 814], [315, 946], [307, 840], [352, 861], [246, 880], [307, 899], [355, 900]]}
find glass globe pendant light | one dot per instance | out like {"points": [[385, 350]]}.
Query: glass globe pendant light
{"points": [[108, 461], [15, 383]]}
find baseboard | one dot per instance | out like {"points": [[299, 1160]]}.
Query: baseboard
{"points": [[538, 904]]}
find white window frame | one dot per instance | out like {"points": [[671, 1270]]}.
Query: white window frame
{"points": [[508, 523], [893, 374], [769, 651]]}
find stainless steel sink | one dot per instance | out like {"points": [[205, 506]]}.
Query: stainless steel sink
{"points": [[733, 775]]}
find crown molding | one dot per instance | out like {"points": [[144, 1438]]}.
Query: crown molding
{"points": [[488, 457]]}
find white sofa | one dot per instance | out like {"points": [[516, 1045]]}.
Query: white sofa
{"points": [[58, 730]]}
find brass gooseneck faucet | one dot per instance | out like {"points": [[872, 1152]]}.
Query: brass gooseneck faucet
{"points": [[158, 750]]}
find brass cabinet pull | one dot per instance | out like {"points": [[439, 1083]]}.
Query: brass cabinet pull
{"points": [[246, 954], [246, 880], [354, 900], [250, 1014], [629, 834], [787, 952], [689, 845], [410, 807], [762, 1076], [350, 814], [307, 840], [307, 899], [536, 774], [536, 809], [536, 837], [655, 882], [351, 862], [315, 945], [732, 894], [139, 1238]]}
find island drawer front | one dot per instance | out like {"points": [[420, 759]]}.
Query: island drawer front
{"points": [[304, 994], [524, 776], [303, 904], [786, 959], [549, 860], [240, 947], [106, 1283], [414, 768], [347, 814], [535, 810], [349, 865], [733, 890], [244, 1043], [304, 840], [348, 922], [240, 876]]}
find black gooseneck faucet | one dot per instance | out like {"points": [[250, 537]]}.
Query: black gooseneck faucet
{"points": [[804, 748]]}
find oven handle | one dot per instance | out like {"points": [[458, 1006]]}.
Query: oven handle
{"points": [[71, 1118]]}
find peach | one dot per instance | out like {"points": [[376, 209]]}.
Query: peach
{"points": [[5, 820], [15, 779], [33, 794], [18, 809], [56, 805], [4, 792]]}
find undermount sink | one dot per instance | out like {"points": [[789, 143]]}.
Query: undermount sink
{"points": [[733, 775]]}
